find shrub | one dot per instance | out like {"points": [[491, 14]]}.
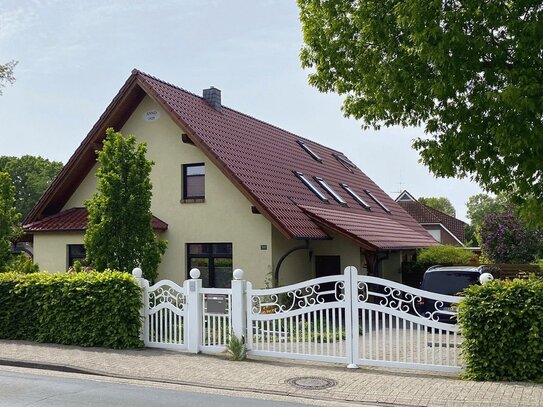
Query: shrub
{"points": [[444, 255], [235, 348], [502, 327], [85, 309], [504, 239], [22, 264]]}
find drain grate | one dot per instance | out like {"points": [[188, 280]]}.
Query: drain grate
{"points": [[312, 383]]}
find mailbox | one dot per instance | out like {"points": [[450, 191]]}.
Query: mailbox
{"points": [[216, 304]]}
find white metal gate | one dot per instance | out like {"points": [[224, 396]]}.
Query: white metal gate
{"points": [[309, 320], [400, 326], [349, 318], [164, 323], [357, 320]]}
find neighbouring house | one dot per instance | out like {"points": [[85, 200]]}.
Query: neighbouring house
{"points": [[230, 191], [444, 228]]}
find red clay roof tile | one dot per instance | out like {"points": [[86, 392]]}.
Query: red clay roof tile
{"points": [[74, 219], [425, 215]]}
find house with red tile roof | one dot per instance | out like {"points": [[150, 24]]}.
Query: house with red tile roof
{"points": [[444, 228], [231, 191]]}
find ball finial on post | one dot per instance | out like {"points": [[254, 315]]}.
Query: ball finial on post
{"points": [[238, 274], [194, 273], [486, 278], [137, 273]]}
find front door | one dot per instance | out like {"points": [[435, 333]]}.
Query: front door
{"points": [[327, 266]]}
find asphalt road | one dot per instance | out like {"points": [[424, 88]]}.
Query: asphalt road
{"points": [[28, 389]]}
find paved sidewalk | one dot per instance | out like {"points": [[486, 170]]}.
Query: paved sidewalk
{"points": [[364, 385]]}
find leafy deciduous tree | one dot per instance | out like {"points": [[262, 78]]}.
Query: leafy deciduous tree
{"points": [[471, 72], [8, 219], [6, 74], [481, 205], [442, 204], [119, 233], [31, 176]]}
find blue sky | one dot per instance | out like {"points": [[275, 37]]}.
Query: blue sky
{"points": [[75, 55]]}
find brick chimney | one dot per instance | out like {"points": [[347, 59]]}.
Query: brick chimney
{"points": [[213, 97]]}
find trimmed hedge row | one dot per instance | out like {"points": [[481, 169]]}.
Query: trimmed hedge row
{"points": [[85, 309], [502, 327]]}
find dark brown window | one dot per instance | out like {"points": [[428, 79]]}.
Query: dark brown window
{"points": [[194, 181], [76, 252], [214, 260]]}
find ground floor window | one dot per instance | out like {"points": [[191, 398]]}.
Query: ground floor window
{"points": [[214, 260], [76, 252]]}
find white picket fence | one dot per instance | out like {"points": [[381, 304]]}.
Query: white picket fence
{"points": [[349, 318]]}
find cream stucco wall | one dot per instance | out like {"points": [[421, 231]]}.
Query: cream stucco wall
{"points": [[391, 268], [299, 266], [51, 249], [224, 217]]}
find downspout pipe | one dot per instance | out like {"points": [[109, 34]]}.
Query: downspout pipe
{"points": [[283, 257]]}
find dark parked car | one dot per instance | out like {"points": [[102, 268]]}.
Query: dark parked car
{"points": [[449, 280]]}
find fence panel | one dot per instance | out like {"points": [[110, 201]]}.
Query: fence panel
{"points": [[400, 326], [216, 318], [309, 320], [164, 316]]}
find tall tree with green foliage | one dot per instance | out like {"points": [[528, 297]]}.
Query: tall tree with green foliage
{"points": [[31, 176], [9, 217], [470, 72], [481, 205], [442, 204], [6, 74], [119, 233]]}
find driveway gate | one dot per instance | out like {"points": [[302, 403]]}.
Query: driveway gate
{"points": [[349, 318], [354, 319]]}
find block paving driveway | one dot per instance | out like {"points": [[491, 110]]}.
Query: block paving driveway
{"points": [[369, 386]]}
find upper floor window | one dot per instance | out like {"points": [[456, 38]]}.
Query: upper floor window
{"points": [[194, 181]]}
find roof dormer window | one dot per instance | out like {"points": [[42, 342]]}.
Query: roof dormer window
{"points": [[355, 196], [309, 151], [329, 189], [311, 187], [377, 201]]}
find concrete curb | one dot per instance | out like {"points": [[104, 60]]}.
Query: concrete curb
{"points": [[294, 395]]}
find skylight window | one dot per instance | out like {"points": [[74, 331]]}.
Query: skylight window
{"points": [[344, 161], [329, 189], [309, 151], [355, 196], [311, 187], [377, 201]]}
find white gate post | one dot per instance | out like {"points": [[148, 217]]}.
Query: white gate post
{"points": [[238, 314], [351, 315], [193, 325], [144, 284]]}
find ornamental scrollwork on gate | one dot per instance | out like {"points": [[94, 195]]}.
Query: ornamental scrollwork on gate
{"points": [[296, 299], [166, 294], [404, 301]]}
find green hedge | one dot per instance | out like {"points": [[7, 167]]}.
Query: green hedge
{"points": [[85, 309], [502, 328]]}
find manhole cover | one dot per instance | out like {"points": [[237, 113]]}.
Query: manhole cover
{"points": [[312, 383]]}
